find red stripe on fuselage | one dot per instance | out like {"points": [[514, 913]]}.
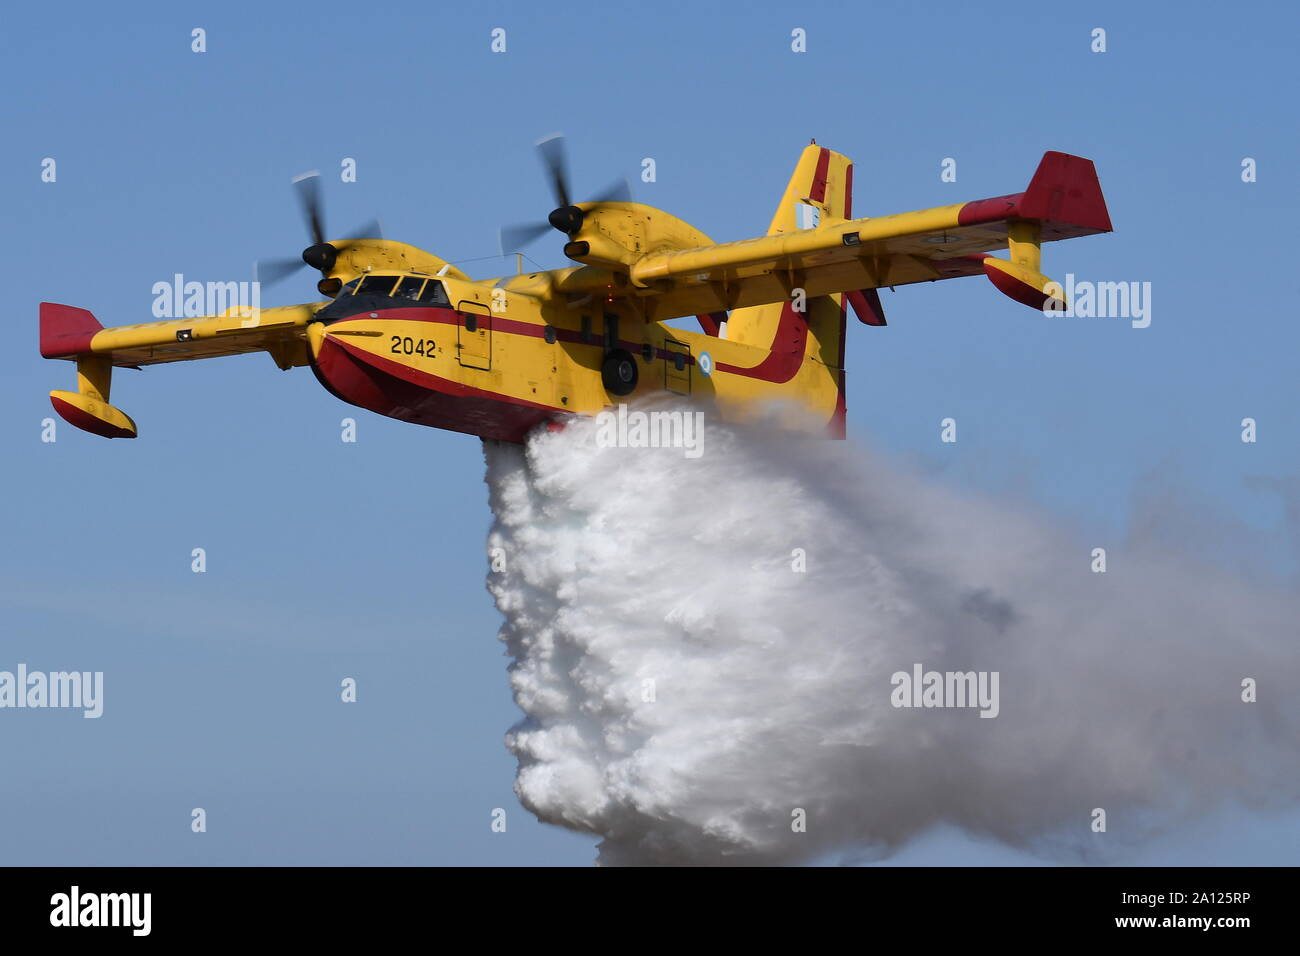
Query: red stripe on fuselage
{"points": [[779, 366], [414, 376], [499, 323], [786, 356]]}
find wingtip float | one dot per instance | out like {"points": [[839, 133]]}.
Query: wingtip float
{"points": [[405, 334], [69, 333]]}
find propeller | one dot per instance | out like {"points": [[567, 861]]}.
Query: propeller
{"points": [[320, 255], [566, 217]]}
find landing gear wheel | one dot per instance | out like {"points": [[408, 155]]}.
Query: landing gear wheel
{"points": [[618, 373]]}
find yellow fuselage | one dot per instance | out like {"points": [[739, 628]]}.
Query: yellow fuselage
{"points": [[496, 358]]}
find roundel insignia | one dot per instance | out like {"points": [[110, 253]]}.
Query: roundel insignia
{"points": [[705, 364]]}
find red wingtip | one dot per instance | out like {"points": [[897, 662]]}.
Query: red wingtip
{"points": [[1065, 190], [66, 330]]}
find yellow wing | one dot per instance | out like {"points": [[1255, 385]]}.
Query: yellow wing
{"points": [[71, 333], [1063, 200]]}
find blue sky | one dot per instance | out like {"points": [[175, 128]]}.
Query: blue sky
{"points": [[222, 688]]}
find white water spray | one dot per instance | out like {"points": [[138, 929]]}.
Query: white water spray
{"points": [[692, 696]]}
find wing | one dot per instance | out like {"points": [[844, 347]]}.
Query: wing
{"points": [[1063, 201], [71, 333]]}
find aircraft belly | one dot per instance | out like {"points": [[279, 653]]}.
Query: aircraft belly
{"points": [[389, 387]]}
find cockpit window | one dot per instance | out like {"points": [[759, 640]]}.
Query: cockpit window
{"points": [[408, 288], [348, 289], [434, 294], [376, 285]]}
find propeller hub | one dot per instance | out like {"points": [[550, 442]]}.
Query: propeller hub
{"points": [[567, 219], [321, 256]]}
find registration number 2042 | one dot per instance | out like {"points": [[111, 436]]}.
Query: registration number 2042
{"points": [[405, 345]]}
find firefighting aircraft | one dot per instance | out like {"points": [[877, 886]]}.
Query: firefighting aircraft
{"points": [[406, 334]]}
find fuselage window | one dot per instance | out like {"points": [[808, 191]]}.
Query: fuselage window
{"points": [[408, 288], [434, 294], [549, 335], [471, 322]]}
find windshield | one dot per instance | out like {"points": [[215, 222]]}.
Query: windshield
{"points": [[376, 285], [408, 288], [416, 288]]}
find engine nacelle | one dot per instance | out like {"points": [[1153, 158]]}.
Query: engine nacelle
{"points": [[614, 235]]}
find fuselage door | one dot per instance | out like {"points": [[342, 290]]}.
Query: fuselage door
{"points": [[677, 367], [474, 335]]}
